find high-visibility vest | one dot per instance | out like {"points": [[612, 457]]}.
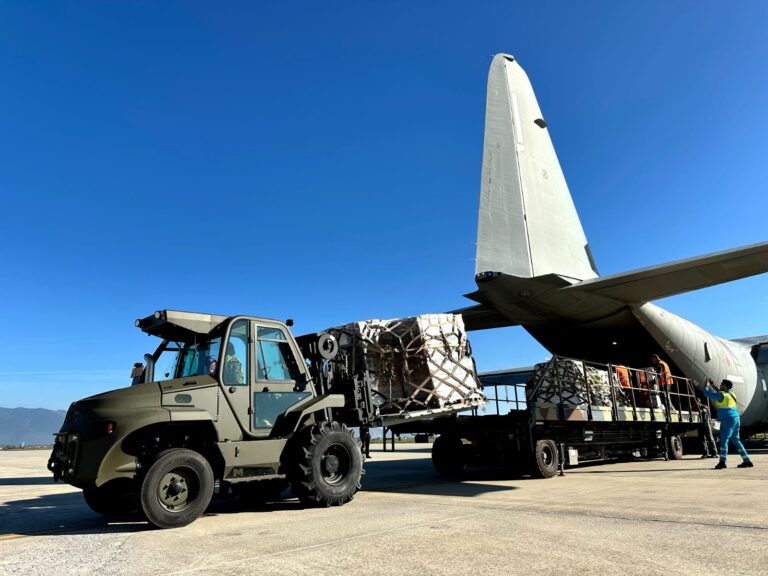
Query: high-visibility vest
{"points": [[623, 374], [644, 383], [666, 375], [728, 401]]}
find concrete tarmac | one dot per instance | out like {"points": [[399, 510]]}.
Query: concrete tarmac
{"points": [[644, 517]]}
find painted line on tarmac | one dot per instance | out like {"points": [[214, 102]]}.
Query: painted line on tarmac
{"points": [[12, 536]]}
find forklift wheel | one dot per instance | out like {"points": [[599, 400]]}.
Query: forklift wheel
{"points": [[177, 488], [326, 465], [545, 460]]}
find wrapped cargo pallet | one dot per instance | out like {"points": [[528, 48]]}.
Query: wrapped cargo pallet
{"points": [[577, 384], [409, 367]]}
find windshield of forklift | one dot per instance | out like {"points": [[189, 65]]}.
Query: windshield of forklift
{"points": [[186, 359]]}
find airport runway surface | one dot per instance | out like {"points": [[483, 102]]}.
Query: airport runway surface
{"points": [[645, 517]]}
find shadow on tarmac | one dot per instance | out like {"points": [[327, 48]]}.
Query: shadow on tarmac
{"points": [[67, 513], [31, 481], [417, 476], [53, 514], [58, 513], [426, 450], [656, 470]]}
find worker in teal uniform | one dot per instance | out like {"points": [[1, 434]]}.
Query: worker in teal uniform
{"points": [[725, 402]]}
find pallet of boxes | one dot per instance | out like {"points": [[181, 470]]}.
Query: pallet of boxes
{"points": [[565, 389], [394, 371]]}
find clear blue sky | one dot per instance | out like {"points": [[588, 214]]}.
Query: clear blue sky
{"points": [[321, 161]]}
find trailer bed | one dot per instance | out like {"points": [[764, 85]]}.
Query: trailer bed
{"points": [[576, 410]]}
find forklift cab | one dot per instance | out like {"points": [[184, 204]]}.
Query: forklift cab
{"points": [[255, 362]]}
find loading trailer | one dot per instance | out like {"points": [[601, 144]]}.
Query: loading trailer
{"points": [[562, 412]]}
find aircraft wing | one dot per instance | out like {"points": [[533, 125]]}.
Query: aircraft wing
{"points": [[750, 340], [647, 284], [481, 317]]}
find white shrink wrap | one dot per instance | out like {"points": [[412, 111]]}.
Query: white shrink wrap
{"points": [[412, 366]]}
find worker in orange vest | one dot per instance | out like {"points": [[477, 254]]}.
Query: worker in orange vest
{"points": [[622, 373], [665, 375], [662, 369]]}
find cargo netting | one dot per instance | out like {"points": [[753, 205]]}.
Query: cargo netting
{"points": [[410, 367], [579, 385]]}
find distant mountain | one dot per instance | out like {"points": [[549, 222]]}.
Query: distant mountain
{"points": [[29, 426]]}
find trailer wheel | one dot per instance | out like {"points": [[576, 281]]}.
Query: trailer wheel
{"points": [[115, 498], [448, 456], [326, 465], [675, 445], [177, 488], [545, 461]]}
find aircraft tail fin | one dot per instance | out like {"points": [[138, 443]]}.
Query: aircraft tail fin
{"points": [[528, 225]]}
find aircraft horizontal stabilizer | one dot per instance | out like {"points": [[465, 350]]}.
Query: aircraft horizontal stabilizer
{"points": [[751, 340], [656, 282], [480, 317]]}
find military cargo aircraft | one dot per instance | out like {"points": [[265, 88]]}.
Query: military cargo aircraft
{"points": [[534, 267]]}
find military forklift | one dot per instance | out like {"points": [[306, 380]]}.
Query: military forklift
{"points": [[225, 402]]}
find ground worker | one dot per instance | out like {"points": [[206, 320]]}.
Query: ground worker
{"points": [[365, 441], [622, 375], [725, 402]]}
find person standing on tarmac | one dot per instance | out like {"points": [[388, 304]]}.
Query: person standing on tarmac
{"points": [[725, 402], [365, 441]]}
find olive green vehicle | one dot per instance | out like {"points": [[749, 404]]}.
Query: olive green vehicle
{"points": [[237, 408]]}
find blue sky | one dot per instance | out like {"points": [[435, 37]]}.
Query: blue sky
{"points": [[320, 161]]}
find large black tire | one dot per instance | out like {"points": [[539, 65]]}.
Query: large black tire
{"points": [[176, 489], [545, 459], [448, 456], [325, 465], [115, 498], [675, 448]]}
